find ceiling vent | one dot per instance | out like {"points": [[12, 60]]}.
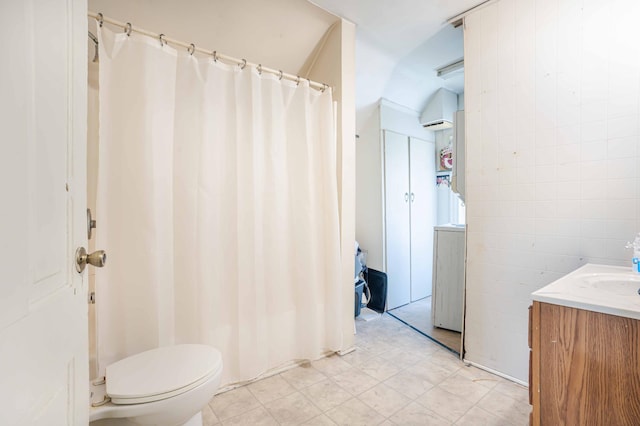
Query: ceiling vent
{"points": [[438, 115]]}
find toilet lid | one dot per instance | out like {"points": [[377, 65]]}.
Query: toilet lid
{"points": [[161, 373]]}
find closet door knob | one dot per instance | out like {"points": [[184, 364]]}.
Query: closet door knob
{"points": [[413, 197], [97, 259], [406, 197]]}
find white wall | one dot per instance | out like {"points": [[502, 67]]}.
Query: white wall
{"points": [[403, 120], [369, 192], [279, 34], [552, 114], [335, 65]]}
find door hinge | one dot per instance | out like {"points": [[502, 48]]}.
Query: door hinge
{"points": [[92, 298]]}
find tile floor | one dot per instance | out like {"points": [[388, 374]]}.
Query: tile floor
{"points": [[418, 315], [395, 377]]}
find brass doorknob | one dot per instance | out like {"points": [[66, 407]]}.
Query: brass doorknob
{"points": [[97, 258]]}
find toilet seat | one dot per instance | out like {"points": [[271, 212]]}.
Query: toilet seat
{"points": [[161, 373]]}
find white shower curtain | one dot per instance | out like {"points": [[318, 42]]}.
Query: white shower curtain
{"points": [[218, 208]]}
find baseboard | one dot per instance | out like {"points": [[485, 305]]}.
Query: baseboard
{"points": [[497, 373], [346, 351]]}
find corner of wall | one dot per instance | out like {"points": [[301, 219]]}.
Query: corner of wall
{"points": [[369, 199], [334, 64], [400, 119], [310, 63]]}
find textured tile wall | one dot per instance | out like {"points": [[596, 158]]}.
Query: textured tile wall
{"points": [[553, 170]]}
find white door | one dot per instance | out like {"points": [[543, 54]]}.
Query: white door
{"points": [[397, 219], [423, 212], [43, 301]]}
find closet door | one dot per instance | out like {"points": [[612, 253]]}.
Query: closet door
{"points": [[397, 219], [423, 212]]}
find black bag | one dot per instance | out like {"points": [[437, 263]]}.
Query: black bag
{"points": [[377, 282]]}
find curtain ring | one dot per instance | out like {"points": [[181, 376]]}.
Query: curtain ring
{"points": [[324, 87], [191, 49], [163, 42], [280, 75], [244, 64], [298, 80], [259, 68], [215, 56], [309, 81], [127, 29], [100, 19]]}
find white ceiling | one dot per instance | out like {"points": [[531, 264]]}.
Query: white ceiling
{"points": [[399, 45]]}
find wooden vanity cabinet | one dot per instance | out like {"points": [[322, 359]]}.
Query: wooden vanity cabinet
{"points": [[584, 367]]}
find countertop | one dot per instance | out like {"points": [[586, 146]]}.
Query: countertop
{"points": [[450, 227], [600, 288]]}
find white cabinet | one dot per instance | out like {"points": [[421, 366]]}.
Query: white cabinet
{"points": [[409, 198], [448, 277]]}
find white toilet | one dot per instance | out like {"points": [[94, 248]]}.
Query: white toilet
{"points": [[167, 386]]}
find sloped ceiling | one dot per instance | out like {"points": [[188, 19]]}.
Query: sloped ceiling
{"points": [[280, 34], [400, 43], [397, 27]]}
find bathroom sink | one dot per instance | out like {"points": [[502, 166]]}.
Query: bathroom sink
{"points": [[600, 288], [619, 284]]}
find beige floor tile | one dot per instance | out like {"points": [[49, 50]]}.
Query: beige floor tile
{"points": [[446, 360], [380, 369], [384, 399], [418, 314], [391, 353], [476, 416], [376, 345], [326, 394], [271, 388], [256, 417], [331, 365], [394, 339], [303, 376], [355, 413], [420, 344], [410, 382], [479, 376], [397, 376], [464, 387], [513, 390], [404, 358], [209, 418], [233, 403], [294, 409], [355, 381], [445, 404], [358, 357], [512, 410], [321, 420], [415, 414], [433, 373]]}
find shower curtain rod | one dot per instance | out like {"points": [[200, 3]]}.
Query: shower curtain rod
{"points": [[192, 48]]}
